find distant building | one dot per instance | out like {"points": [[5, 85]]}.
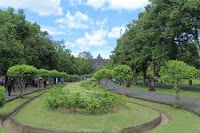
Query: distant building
{"points": [[99, 62]]}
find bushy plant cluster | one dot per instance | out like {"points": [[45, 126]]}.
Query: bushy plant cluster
{"points": [[2, 96], [86, 101], [72, 78]]}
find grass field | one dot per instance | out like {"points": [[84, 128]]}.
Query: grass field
{"points": [[181, 121], [183, 93], [10, 106], [38, 115]]}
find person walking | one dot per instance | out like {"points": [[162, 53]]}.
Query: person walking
{"points": [[9, 87]]}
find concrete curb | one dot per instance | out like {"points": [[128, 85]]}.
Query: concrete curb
{"points": [[145, 126]]}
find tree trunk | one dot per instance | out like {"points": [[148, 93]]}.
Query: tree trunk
{"points": [[135, 76], [175, 84], [177, 90], [128, 83], [152, 88], [144, 77], [197, 41]]}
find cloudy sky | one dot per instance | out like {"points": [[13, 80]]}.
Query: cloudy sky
{"points": [[84, 25]]}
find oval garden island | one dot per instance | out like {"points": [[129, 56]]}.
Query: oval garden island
{"points": [[80, 107]]}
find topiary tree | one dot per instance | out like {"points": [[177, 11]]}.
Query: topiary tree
{"points": [[122, 73], [109, 75], [102, 74], [44, 74], [22, 73], [54, 74], [173, 72]]}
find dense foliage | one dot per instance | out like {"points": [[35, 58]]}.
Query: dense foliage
{"points": [[166, 30], [122, 73], [23, 42], [175, 71], [2, 96], [87, 99], [102, 74], [22, 73]]}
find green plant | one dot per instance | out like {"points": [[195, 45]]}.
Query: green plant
{"points": [[103, 74], [175, 71], [43, 73], [22, 73], [84, 100], [2, 96], [122, 73]]}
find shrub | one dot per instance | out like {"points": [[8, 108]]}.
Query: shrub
{"points": [[2, 96], [89, 101], [86, 84]]}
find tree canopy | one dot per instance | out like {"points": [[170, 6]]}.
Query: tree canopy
{"points": [[23, 42]]}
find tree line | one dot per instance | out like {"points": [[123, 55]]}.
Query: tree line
{"points": [[23, 42], [166, 30]]}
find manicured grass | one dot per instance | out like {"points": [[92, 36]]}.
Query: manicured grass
{"points": [[195, 83], [3, 130], [183, 93], [10, 106], [181, 121], [37, 114]]}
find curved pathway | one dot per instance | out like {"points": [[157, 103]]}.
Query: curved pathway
{"points": [[190, 104]]}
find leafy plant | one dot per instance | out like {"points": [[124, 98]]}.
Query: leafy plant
{"points": [[175, 71], [84, 100], [2, 96], [22, 73], [102, 74], [122, 73]]}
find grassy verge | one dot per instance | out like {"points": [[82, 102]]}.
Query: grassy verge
{"points": [[183, 93], [182, 121], [10, 106], [37, 114]]}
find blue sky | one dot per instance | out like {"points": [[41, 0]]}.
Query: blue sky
{"points": [[84, 25]]}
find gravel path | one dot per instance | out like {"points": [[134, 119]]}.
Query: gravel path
{"points": [[190, 104]]}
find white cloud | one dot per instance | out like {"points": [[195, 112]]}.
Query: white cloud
{"points": [[97, 38], [52, 31], [117, 4], [42, 7], [75, 2], [96, 3], [116, 31], [77, 21]]}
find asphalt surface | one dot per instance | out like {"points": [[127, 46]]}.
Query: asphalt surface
{"points": [[190, 104]]}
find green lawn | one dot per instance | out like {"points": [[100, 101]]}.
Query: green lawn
{"points": [[10, 106], [38, 115], [183, 93], [182, 121]]}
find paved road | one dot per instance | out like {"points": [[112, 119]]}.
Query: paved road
{"points": [[17, 93], [190, 104]]}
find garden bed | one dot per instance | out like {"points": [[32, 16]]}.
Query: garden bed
{"points": [[37, 114]]}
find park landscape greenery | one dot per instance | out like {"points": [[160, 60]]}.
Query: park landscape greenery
{"points": [[23, 42], [162, 45]]}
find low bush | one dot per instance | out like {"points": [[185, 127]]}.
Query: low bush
{"points": [[2, 96], [86, 84], [85, 100]]}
